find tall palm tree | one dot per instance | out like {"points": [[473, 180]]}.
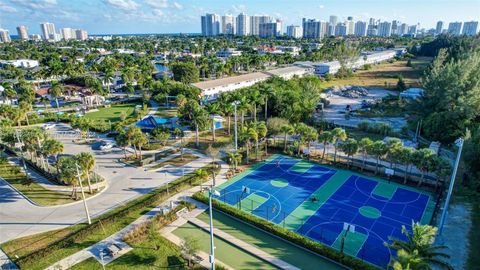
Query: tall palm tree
{"points": [[86, 161], [363, 146], [350, 148], [286, 130], [378, 150], [213, 109], [51, 147], [266, 92], [421, 243], [56, 91], [326, 138], [68, 173], [406, 158], [262, 133], [122, 140], [337, 134]]}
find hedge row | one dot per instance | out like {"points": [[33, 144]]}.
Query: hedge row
{"points": [[286, 234], [145, 202]]}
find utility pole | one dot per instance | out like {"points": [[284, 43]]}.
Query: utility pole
{"points": [[83, 195], [212, 192], [459, 143], [235, 103]]}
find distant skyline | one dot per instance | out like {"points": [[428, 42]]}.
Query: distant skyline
{"points": [[183, 16]]}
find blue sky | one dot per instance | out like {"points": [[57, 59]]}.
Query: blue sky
{"points": [[175, 16]]}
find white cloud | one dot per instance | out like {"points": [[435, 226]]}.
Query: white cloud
{"points": [[239, 8], [157, 3], [4, 7], [321, 6], [157, 12], [177, 6], [39, 4], [127, 5]]}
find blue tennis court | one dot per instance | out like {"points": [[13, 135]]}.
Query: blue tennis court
{"points": [[339, 208]]}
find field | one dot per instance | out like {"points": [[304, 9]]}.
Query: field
{"points": [[335, 207], [112, 113], [176, 161], [385, 75]]}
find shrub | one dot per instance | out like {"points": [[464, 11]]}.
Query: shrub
{"points": [[288, 235]]}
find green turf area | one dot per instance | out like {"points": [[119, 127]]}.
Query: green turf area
{"points": [[176, 161], [277, 247], [90, 263], [301, 166], [385, 190], [113, 112], [295, 220], [370, 212], [428, 211], [353, 242], [252, 202], [279, 182], [225, 252], [35, 192], [166, 113]]}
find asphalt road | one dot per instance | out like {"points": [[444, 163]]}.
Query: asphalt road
{"points": [[18, 217]]}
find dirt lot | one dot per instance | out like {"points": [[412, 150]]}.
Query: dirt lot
{"points": [[385, 75]]}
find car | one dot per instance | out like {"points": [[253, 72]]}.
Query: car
{"points": [[48, 126], [104, 145]]}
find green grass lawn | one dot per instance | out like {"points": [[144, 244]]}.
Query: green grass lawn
{"points": [[35, 192], [176, 161], [113, 112], [225, 252], [270, 244]]}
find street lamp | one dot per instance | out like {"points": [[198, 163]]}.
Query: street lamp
{"points": [[212, 192], [235, 104], [459, 144]]}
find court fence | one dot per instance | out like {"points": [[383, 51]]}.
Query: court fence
{"points": [[345, 241]]}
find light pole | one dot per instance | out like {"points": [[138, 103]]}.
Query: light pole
{"points": [[459, 144], [211, 192], [83, 195], [235, 103]]}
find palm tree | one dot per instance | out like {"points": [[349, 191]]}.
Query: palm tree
{"points": [[393, 151], [350, 148], [337, 134], [86, 161], [213, 109], [253, 135], [108, 79], [68, 173], [442, 169], [423, 160], [325, 137], [234, 158], [420, 242], [51, 147], [286, 130], [56, 91], [406, 157], [262, 133], [378, 150], [255, 99], [363, 146], [266, 92], [123, 141]]}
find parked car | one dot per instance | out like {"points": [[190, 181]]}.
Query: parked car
{"points": [[104, 145], [48, 126]]}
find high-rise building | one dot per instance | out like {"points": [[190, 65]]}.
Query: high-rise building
{"points": [[255, 22], [350, 24], [68, 33], [22, 32], [470, 28], [360, 29], [228, 24], [4, 36], [454, 28], [294, 31], [412, 30], [36, 37], [395, 26], [385, 29], [243, 24], [314, 29], [340, 29], [48, 31], [81, 34], [331, 25], [210, 25], [439, 28], [402, 29], [270, 29], [371, 28]]}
